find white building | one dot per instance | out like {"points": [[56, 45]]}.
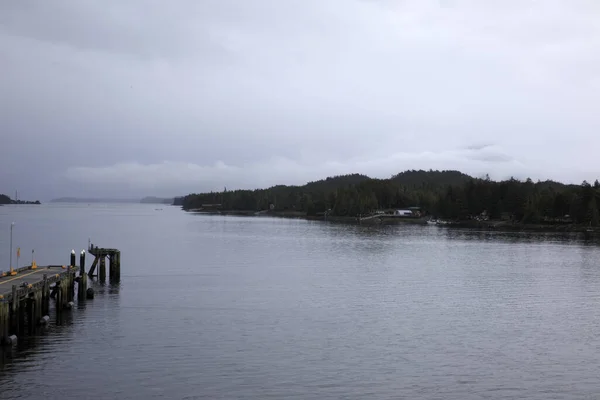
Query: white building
{"points": [[404, 213]]}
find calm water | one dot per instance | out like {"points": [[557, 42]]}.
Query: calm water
{"points": [[257, 308]]}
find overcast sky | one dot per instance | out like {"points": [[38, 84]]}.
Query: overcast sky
{"points": [[152, 97]]}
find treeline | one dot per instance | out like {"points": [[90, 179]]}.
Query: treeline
{"points": [[445, 194], [4, 199]]}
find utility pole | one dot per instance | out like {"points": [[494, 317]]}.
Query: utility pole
{"points": [[11, 234]]}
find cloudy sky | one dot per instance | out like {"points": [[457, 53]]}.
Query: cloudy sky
{"points": [[149, 97]]}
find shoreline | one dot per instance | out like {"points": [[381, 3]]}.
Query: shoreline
{"points": [[490, 226], [22, 203]]}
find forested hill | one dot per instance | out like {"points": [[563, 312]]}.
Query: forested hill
{"points": [[415, 179], [447, 194], [4, 199]]}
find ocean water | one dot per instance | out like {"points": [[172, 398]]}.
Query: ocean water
{"points": [[213, 307]]}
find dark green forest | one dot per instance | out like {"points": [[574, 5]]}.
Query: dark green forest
{"points": [[445, 194]]}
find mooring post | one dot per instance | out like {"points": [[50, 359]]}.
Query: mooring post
{"points": [[102, 274], [82, 287], [82, 263], [72, 258]]}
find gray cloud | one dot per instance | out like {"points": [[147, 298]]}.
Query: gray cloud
{"points": [[487, 153], [148, 97]]}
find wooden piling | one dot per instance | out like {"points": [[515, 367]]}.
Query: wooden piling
{"points": [[58, 289], [22, 310], [4, 321], [111, 267], [67, 289], [115, 266], [30, 301], [102, 273], [45, 296], [82, 284], [37, 310], [71, 288]]}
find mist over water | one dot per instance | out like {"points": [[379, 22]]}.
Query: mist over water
{"points": [[226, 308]]}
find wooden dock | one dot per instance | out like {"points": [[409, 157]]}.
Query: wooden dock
{"points": [[114, 262], [25, 293]]}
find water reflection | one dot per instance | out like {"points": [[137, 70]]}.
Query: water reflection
{"points": [[27, 345], [513, 237], [61, 329]]}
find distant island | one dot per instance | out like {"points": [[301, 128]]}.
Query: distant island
{"points": [[447, 197], [4, 199], [157, 200], [145, 200], [92, 200]]}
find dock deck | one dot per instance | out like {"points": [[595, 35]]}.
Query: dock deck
{"points": [[27, 279]]}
